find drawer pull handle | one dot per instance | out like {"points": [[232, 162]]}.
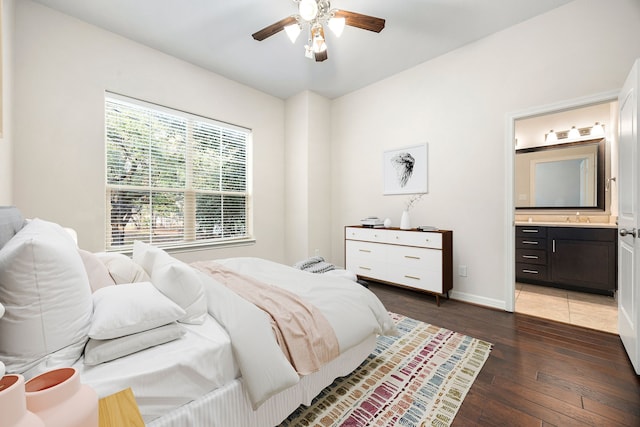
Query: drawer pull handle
{"points": [[530, 231], [364, 268], [530, 256], [530, 271], [364, 250], [529, 242], [412, 257], [412, 277]]}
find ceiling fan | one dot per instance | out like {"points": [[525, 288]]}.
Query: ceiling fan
{"points": [[317, 14]]}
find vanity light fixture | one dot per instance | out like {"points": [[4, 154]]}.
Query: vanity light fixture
{"points": [[597, 130], [575, 134], [550, 137]]}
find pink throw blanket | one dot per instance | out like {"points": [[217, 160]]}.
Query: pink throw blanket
{"points": [[304, 334]]}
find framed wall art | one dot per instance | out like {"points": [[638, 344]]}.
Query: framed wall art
{"points": [[405, 170]]}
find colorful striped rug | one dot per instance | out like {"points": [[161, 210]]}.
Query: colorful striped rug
{"points": [[419, 378]]}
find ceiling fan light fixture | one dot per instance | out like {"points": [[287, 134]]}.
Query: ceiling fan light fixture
{"points": [[337, 25], [312, 16], [293, 31], [308, 9], [318, 44], [308, 51]]}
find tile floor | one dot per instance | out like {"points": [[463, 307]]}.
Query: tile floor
{"points": [[592, 311]]}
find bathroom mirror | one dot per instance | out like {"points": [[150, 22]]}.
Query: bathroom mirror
{"points": [[561, 176]]}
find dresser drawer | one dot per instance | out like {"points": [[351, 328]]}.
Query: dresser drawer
{"points": [[530, 243], [395, 237], [415, 260], [365, 258], [531, 271], [367, 250], [421, 239], [531, 256], [365, 234], [424, 280]]}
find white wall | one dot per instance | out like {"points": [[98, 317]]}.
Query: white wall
{"points": [[296, 173], [62, 69], [458, 104], [307, 176], [6, 141], [320, 176]]}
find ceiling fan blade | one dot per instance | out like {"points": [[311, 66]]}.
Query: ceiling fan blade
{"points": [[321, 56], [273, 28], [359, 20]]}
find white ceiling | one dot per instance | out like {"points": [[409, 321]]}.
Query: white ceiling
{"points": [[216, 35]]}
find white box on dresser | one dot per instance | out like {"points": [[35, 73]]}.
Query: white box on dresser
{"points": [[420, 260]]}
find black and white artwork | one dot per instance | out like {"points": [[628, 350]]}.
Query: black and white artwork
{"points": [[405, 170]]}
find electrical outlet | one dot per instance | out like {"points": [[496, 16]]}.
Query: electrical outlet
{"points": [[462, 270], [317, 252]]}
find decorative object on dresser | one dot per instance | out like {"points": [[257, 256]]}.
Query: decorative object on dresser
{"points": [[580, 258], [407, 258], [405, 220], [372, 221]]}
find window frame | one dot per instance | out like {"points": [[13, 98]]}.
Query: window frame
{"points": [[183, 245]]}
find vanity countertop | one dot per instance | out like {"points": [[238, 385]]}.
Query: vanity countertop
{"points": [[569, 224]]}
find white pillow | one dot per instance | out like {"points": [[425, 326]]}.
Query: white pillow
{"points": [[97, 272], [11, 221], [129, 309], [122, 268], [100, 351], [175, 279], [46, 293]]}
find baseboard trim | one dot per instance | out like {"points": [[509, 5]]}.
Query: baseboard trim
{"points": [[478, 300]]}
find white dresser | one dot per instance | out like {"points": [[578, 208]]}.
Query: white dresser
{"points": [[406, 258]]}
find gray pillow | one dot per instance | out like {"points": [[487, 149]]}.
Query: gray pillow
{"points": [[11, 221]]}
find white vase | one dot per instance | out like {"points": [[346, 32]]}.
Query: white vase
{"points": [[405, 221]]}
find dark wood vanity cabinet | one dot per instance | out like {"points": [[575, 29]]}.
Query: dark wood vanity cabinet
{"points": [[531, 254], [568, 257]]}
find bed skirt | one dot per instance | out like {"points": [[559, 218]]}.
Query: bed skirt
{"points": [[230, 405]]}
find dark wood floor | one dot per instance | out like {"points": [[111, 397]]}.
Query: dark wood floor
{"points": [[539, 373]]}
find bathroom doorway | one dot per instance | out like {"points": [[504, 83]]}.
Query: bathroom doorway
{"points": [[544, 130]]}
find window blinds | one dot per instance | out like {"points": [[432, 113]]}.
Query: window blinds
{"points": [[173, 178]]}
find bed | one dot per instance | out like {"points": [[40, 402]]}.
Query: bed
{"points": [[194, 351]]}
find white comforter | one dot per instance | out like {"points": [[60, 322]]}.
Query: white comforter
{"points": [[353, 311]]}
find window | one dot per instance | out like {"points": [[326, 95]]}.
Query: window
{"points": [[173, 179]]}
